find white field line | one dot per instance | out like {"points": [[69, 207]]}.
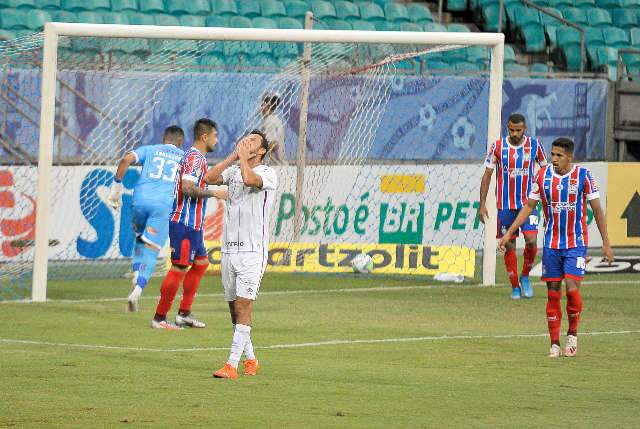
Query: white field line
{"points": [[317, 291], [300, 345]]}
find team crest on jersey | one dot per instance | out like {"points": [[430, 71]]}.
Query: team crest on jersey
{"points": [[527, 156], [559, 187]]}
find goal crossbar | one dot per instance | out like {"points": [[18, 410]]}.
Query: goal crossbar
{"points": [[53, 30]]}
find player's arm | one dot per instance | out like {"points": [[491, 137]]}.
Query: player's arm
{"points": [[190, 189], [524, 213], [484, 190], [214, 175], [598, 214], [115, 193], [249, 177]]}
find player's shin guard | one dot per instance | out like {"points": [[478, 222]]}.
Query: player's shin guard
{"points": [[511, 263], [191, 284], [147, 266], [554, 315], [529, 258], [574, 310], [168, 291]]}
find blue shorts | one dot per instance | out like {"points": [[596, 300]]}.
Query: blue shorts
{"points": [[506, 218], [151, 224], [187, 244], [560, 263]]}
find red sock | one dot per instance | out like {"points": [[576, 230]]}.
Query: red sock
{"points": [[574, 310], [554, 315], [168, 291], [190, 286], [511, 262], [529, 258]]}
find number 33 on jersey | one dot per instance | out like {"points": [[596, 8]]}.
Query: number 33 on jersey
{"points": [[160, 165]]}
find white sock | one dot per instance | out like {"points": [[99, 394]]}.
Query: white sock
{"points": [[248, 347], [240, 337], [136, 292]]}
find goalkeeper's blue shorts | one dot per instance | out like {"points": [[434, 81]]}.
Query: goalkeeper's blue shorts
{"points": [[151, 224]]}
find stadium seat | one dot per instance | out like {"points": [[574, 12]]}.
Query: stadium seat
{"points": [[433, 64], [296, 8], [599, 18], [465, 66], [410, 26], [606, 55], [456, 5], [212, 60], [575, 15], [22, 4], [509, 54], [124, 5], [453, 56], [635, 37], [290, 23], [387, 26], [339, 24], [273, 9], [419, 13], [630, 59], [285, 61], [539, 68], [13, 19], [151, 6], [477, 54], [490, 16], [363, 25], [36, 19], [434, 27], [248, 9], [239, 22], [534, 38], [48, 4], [458, 28], [584, 4], [549, 20], [140, 19], [347, 11], [190, 7], [609, 4], [515, 68], [90, 17], [193, 21], [396, 12], [7, 35], [115, 18], [561, 4], [80, 5], [323, 10], [615, 37], [624, 18], [263, 22], [165, 19], [224, 7], [263, 61], [371, 12]]}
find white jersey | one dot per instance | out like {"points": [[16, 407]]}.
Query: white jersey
{"points": [[246, 215], [273, 129]]}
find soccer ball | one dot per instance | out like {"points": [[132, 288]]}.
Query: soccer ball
{"points": [[362, 264]]}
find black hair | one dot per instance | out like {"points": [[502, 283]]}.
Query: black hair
{"points": [[565, 143], [173, 132], [517, 118], [264, 143], [203, 126], [272, 100]]}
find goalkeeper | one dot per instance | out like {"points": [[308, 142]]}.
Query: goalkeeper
{"points": [[152, 202]]}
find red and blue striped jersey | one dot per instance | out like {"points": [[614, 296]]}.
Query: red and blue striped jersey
{"points": [[186, 210], [564, 204], [515, 170]]}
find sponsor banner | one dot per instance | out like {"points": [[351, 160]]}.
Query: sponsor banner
{"points": [[623, 207], [336, 258]]}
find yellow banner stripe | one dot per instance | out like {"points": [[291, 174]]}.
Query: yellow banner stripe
{"points": [[402, 183]]}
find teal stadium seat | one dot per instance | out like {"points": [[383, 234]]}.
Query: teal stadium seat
{"points": [[290, 23], [166, 19], [371, 12], [248, 9], [599, 18], [490, 17], [454, 56], [561, 4], [509, 54], [534, 38], [193, 21], [594, 39], [347, 11], [339, 24], [48, 4], [273, 9], [239, 22], [456, 5], [263, 61], [36, 19], [225, 7], [624, 18], [388, 26], [323, 10], [188, 7], [212, 60], [81, 5], [63, 16], [263, 22], [90, 17], [22, 4], [635, 37], [124, 5], [465, 66], [575, 15], [434, 27], [13, 19], [217, 21], [396, 12], [477, 54], [584, 4], [151, 6], [116, 18], [140, 19], [609, 4], [296, 8], [176, 7], [458, 28], [539, 68], [419, 13], [436, 65], [515, 69], [615, 37], [569, 40], [363, 26], [607, 60], [631, 59]]}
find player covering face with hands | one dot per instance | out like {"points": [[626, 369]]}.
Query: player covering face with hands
{"points": [[564, 190], [245, 240]]}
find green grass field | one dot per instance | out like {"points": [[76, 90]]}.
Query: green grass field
{"points": [[337, 352]]}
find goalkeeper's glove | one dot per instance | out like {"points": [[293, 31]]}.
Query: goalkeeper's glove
{"points": [[115, 195]]}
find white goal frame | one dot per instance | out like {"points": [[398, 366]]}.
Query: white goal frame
{"points": [[53, 30]]}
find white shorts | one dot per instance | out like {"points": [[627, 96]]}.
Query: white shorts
{"points": [[241, 274]]}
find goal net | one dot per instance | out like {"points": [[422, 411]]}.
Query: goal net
{"points": [[380, 154]]}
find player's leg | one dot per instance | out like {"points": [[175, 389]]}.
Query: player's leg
{"points": [[191, 284], [530, 233], [552, 274], [228, 277], [140, 216], [574, 268], [505, 219]]}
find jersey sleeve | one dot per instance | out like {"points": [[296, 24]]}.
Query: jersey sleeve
{"points": [[269, 178], [536, 186], [541, 157], [192, 168], [492, 158], [140, 154], [591, 187]]}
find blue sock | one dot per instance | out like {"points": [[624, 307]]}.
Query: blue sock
{"points": [[137, 256], [147, 266]]}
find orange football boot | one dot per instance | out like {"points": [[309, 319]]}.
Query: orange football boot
{"points": [[227, 371], [251, 367]]}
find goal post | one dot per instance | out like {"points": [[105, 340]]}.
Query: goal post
{"points": [[53, 31]]}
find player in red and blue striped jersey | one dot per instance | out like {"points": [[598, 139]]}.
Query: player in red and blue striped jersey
{"points": [[564, 190], [514, 158], [189, 258]]}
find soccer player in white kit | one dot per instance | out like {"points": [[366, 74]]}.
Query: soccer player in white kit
{"points": [[245, 240]]}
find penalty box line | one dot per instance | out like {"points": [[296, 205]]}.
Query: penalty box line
{"points": [[316, 291], [301, 345]]}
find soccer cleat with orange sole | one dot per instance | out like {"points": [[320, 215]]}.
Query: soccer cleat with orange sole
{"points": [[227, 371], [251, 367]]}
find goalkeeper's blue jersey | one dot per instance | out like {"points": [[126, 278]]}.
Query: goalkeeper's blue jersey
{"points": [[160, 166]]}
